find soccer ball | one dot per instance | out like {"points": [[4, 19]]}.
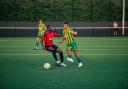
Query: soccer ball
{"points": [[47, 66]]}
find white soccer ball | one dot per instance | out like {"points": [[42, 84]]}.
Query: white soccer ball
{"points": [[47, 66]]}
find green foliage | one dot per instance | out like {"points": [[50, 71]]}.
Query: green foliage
{"points": [[62, 10]]}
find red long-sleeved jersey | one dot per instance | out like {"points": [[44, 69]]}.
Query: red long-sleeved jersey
{"points": [[48, 38]]}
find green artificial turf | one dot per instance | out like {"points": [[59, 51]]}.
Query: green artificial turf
{"points": [[105, 65]]}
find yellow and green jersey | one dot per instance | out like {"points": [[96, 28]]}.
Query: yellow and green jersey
{"points": [[42, 29], [68, 35]]}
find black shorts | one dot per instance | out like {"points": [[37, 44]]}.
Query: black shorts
{"points": [[51, 47], [115, 29]]}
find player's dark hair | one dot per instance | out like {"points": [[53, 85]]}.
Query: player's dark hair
{"points": [[48, 26], [66, 23]]}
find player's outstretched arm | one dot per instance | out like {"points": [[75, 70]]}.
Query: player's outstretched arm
{"points": [[59, 35], [74, 33], [62, 40]]}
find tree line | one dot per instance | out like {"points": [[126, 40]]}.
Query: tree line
{"points": [[62, 10]]}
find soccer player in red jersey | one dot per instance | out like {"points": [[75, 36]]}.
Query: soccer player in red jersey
{"points": [[51, 47]]}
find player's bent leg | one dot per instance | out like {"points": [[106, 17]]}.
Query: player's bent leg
{"points": [[58, 50], [77, 55], [51, 49], [69, 58], [80, 64], [54, 54], [37, 43], [68, 49]]}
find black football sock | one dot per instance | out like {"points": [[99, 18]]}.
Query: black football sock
{"points": [[54, 54], [69, 55], [78, 59], [61, 57]]}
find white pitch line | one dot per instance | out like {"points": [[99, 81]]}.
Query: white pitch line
{"points": [[62, 49], [63, 46], [64, 54], [105, 46], [119, 39], [12, 27], [3, 40]]}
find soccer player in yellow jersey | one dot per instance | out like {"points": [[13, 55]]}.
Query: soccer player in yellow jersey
{"points": [[41, 31], [68, 35]]}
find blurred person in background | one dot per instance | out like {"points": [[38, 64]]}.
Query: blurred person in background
{"points": [[115, 29]]}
